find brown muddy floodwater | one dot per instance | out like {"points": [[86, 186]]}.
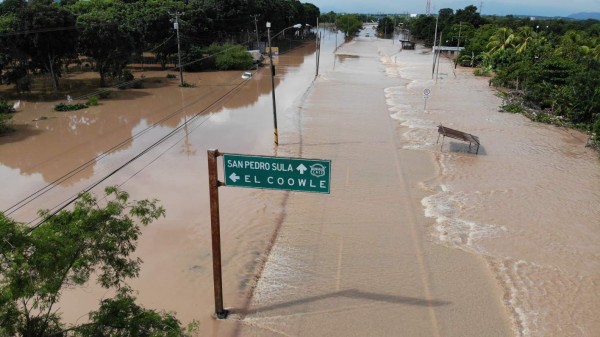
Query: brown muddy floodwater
{"points": [[527, 205], [69, 151]]}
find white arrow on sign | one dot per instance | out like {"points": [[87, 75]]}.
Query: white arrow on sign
{"points": [[301, 168], [234, 177]]}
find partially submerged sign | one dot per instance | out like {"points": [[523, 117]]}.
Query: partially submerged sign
{"points": [[278, 173]]}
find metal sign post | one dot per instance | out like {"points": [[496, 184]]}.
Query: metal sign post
{"points": [[426, 93], [278, 173], [215, 229]]}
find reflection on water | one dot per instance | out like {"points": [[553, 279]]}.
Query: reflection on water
{"points": [[222, 111]]}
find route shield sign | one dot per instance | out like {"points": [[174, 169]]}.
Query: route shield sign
{"points": [[278, 173]]}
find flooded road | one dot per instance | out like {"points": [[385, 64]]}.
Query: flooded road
{"points": [[528, 203], [70, 151], [430, 240]]}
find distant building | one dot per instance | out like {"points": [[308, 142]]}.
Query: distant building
{"points": [[413, 15]]}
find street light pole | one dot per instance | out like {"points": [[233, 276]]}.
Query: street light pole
{"points": [[256, 27], [275, 134]]}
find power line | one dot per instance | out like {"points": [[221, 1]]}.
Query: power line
{"points": [[72, 199], [34, 31], [25, 201]]}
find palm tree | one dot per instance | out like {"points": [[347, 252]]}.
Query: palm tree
{"points": [[525, 37], [502, 39]]}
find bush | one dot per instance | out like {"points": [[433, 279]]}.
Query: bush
{"points": [[596, 131], [127, 76], [187, 85], [6, 110], [223, 57], [512, 107], [92, 101], [195, 59], [70, 107], [233, 57], [104, 94], [482, 72], [171, 76]]}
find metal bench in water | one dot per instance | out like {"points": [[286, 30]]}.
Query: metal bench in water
{"points": [[452, 133]]}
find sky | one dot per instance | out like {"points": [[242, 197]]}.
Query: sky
{"points": [[490, 7]]}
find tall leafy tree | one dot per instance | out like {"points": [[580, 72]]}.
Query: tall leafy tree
{"points": [[48, 35], [311, 13], [349, 24], [469, 14], [71, 246], [104, 38], [385, 26]]}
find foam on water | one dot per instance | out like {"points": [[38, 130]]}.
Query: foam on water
{"points": [[450, 229], [537, 235]]}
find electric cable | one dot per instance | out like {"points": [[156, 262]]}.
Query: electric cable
{"points": [[72, 199], [75, 171], [15, 207]]}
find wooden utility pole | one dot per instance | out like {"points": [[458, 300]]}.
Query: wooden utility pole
{"points": [[215, 229], [176, 25]]}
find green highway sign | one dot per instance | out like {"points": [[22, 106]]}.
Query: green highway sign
{"points": [[278, 173]]}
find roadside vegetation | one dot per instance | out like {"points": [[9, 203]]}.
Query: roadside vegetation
{"points": [[6, 111], [547, 69], [92, 242], [43, 37]]}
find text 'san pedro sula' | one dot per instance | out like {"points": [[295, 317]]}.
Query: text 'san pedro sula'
{"points": [[295, 174]]}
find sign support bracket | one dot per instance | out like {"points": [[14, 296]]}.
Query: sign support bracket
{"points": [[215, 229]]}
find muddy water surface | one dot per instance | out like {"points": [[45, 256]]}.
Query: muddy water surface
{"points": [[61, 153], [528, 202]]}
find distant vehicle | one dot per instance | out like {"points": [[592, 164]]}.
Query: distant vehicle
{"points": [[368, 35], [246, 75]]}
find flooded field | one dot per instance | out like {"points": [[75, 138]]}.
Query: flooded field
{"points": [[54, 155]]}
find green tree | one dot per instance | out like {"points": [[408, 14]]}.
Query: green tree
{"points": [[469, 15], [104, 38], [44, 46], [385, 27], [8, 7], [311, 13], [37, 264], [349, 24], [328, 17], [423, 28], [503, 39], [121, 316]]}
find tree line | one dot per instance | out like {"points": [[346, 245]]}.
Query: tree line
{"points": [[43, 36], [551, 67]]}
